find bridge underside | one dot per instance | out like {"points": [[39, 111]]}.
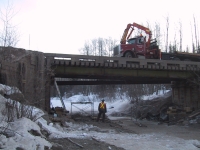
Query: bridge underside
{"points": [[101, 82]]}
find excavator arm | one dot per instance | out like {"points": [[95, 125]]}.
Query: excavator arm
{"points": [[129, 29]]}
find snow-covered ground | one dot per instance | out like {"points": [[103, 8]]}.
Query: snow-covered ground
{"points": [[111, 106], [23, 138]]}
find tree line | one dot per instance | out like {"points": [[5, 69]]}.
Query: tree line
{"points": [[99, 47], [111, 92], [168, 41]]}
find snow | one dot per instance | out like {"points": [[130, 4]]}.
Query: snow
{"points": [[21, 128], [24, 139], [147, 141], [154, 95], [88, 107], [8, 90], [22, 136]]}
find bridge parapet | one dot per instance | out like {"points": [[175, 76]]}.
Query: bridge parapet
{"points": [[120, 62]]}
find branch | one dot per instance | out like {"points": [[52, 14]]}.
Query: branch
{"points": [[75, 143], [10, 130]]}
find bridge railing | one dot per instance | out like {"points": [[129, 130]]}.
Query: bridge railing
{"points": [[121, 62]]}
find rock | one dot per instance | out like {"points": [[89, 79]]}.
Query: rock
{"points": [[18, 97], [185, 122], [194, 121], [2, 147], [19, 148], [198, 119], [8, 133], [197, 145], [35, 132]]}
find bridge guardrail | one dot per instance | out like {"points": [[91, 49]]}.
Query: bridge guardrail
{"points": [[121, 62]]}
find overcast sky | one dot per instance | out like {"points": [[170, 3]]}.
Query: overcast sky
{"points": [[62, 26]]}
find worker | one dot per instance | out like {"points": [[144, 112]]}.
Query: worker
{"points": [[102, 110]]}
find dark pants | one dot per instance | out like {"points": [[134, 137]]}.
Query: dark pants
{"points": [[99, 115]]}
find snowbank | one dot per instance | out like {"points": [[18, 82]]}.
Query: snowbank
{"points": [[8, 90], [18, 133], [23, 137]]}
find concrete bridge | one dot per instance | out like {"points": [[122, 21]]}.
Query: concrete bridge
{"points": [[120, 70], [34, 72], [113, 70]]}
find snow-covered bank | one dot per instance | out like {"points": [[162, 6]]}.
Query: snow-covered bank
{"points": [[22, 136], [17, 133], [8, 90], [26, 134]]}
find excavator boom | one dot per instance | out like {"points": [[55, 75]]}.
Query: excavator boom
{"points": [[129, 29]]}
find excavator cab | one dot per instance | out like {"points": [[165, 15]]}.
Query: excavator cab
{"points": [[136, 40], [142, 40], [132, 41]]}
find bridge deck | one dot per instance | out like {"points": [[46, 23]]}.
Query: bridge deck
{"points": [[121, 70]]}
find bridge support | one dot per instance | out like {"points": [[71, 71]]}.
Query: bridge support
{"points": [[48, 76], [186, 94]]}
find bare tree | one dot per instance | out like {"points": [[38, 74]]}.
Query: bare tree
{"points": [[94, 46], [100, 46], [187, 49], [8, 33], [167, 33], [198, 48], [180, 36], [106, 46], [86, 49], [195, 32], [193, 46], [170, 48], [109, 46], [148, 24], [157, 33], [175, 43]]}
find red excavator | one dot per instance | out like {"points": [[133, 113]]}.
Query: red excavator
{"points": [[144, 47], [138, 46]]}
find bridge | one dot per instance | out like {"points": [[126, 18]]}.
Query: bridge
{"points": [[115, 70], [34, 73]]}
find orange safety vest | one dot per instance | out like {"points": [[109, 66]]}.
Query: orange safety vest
{"points": [[102, 105]]}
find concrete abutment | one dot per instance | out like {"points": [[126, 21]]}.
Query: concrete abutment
{"points": [[28, 71], [186, 94]]}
